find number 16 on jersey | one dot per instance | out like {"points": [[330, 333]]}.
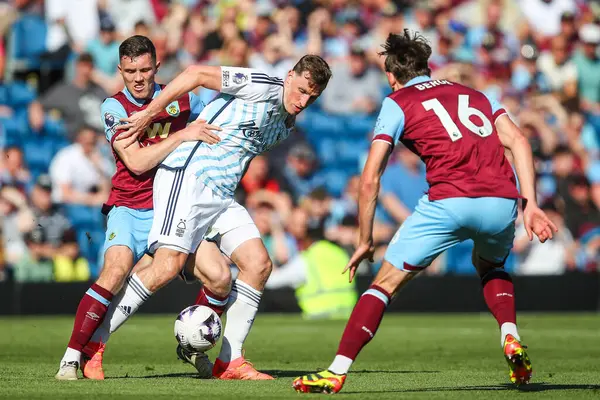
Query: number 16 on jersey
{"points": [[464, 114]]}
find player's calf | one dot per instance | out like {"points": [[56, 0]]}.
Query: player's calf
{"points": [[165, 267], [499, 295], [213, 270]]}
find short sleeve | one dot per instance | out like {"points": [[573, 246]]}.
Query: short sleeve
{"points": [[390, 122], [196, 106], [247, 83], [497, 109], [111, 112]]}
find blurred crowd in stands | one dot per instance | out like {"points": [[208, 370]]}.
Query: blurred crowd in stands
{"points": [[58, 61]]}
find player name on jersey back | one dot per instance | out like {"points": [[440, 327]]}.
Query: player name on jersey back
{"points": [[431, 84], [451, 127]]}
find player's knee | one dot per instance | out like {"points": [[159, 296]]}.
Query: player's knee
{"points": [[260, 266], [483, 266], [117, 264]]}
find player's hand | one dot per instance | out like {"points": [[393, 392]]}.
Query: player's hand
{"points": [[134, 126], [200, 130], [537, 222], [363, 251]]}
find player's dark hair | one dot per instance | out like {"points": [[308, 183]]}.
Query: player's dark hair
{"points": [[136, 46], [407, 56], [319, 70]]}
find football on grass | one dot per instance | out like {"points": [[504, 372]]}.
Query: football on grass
{"points": [[198, 328]]}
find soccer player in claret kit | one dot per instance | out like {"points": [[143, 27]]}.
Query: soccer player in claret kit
{"points": [[461, 136], [129, 207]]}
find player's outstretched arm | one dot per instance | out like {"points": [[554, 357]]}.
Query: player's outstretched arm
{"points": [[370, 182], [536, 221], [513, 139], [192, 77], [139, 159]]}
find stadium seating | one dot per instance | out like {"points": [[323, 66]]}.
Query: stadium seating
{"points": [[27, 43]]}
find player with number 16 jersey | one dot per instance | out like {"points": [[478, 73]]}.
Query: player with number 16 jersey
{"points": [[425, 113], [461, 136]]}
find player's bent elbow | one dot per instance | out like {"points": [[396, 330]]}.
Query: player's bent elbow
{"points": [[137, 167], [370, 185]]}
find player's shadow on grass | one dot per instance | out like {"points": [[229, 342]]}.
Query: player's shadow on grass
{"points": [[173, 375], [278, 373], [533, 387]]}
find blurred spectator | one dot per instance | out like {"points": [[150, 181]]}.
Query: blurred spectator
{"points": [[105, 48], [275, 58], [79, 173], [526, 77], [13, 171], [550, 258], [544, 16], [322, 292], [77, 103], [48, 217], [279, 244], [127, 14], [69, 264], [506, 44], [297, 226], [16, 220], [354, 86], [71, 23], [33, 266], [422, 21], [299, 176], [559, 69], [581, 215], [588, 64]]}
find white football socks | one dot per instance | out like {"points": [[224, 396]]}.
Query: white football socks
{"points": [[242, 308], [506, 329], [133, 295], [340, 365], [71, 355]]}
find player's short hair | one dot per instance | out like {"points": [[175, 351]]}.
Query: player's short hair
{"points": [[136, 46], [406, 56], [319, 70]]}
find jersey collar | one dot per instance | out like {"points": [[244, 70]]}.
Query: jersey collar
{"points": [[417, 80], [141, 102]]}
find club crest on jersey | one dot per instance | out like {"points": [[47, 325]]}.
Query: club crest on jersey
{"points": [[239, 78], [173, 109]]}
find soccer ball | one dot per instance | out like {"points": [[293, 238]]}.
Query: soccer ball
{"points": [[198, 328]]}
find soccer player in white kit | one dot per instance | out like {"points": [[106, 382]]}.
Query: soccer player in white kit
{"points": [[195, 184]]}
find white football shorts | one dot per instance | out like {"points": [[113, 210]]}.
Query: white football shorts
{"points": [[185, 211]]}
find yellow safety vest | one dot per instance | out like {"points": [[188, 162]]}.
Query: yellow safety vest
{"points": [[326, 293]]}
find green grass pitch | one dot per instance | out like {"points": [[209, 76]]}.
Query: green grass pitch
{"points": [[412, 356]]}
